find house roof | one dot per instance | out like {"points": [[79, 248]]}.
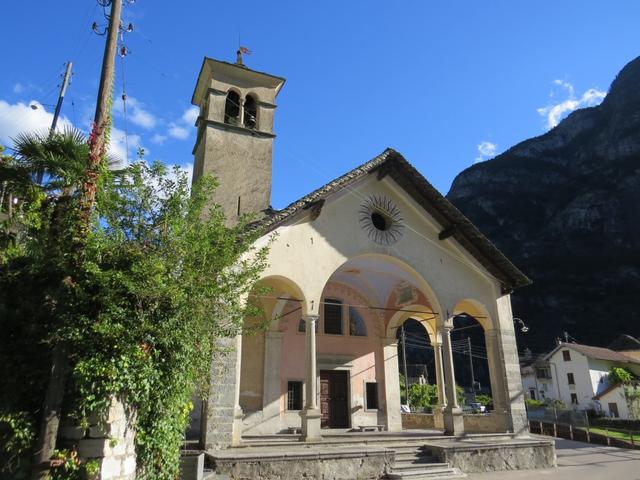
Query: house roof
{"points": [[598, 353], [453, 222], [609, 389]]}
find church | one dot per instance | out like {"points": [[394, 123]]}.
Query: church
{"points": [[349, 263]]}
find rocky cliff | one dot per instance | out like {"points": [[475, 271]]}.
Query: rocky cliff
{"points": [[565, 207]]}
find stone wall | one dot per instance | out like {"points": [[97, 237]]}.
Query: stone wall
{"points": [[511, 454], [110, 442], [327, 463], [419, 421]]}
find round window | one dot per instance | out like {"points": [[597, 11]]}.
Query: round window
{"points": [[381, 219]]}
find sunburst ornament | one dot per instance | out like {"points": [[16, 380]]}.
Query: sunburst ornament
{"points": [[381, 219]]}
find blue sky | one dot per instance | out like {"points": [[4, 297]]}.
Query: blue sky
{"points": [[446, 83]]}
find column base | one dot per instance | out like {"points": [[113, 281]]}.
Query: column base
{"points": [[236, 429], [310, 425], [453, 422], [438, 417]]}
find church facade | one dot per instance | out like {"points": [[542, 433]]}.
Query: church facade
{"points": [[348, 265]]}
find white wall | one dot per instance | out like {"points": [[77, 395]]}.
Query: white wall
{"points": [[579, 366], [615, 396]]}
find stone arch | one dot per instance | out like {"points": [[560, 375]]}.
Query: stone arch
{"points": [[492, 361], [418, 279], [475, 309], [232, 107], [426, 319], [284, 296], [250, 117]]}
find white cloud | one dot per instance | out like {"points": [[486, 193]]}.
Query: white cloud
{"points": [[191, 115], [118, 143], [21, 117], [158, 139], [18, 88], [486, 150], [177, 131], [135, 113], [556, 111]]}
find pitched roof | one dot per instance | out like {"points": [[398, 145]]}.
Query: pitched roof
{"points": [[610, 388], [598, 353], [453, 222]]}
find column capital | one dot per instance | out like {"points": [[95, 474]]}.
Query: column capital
{"points": [[447, 327], [311, 318]]}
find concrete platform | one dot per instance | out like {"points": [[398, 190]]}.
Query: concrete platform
{"points": [[375, 455]]}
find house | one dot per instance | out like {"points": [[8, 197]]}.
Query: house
{"points": [[579, 374], [349, 263], [537, 382]]}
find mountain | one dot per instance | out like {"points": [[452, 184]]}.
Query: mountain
{"points": [[565, 208]]}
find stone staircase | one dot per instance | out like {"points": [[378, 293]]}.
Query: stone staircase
{"points": [[414, 462]]}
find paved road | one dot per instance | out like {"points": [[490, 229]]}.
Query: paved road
{"points": [[579, 461]]}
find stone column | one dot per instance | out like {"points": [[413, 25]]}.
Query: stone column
{"points": [[311, 413], [222, 421], [272, 391], [453, 421], [438, 419], [496, 376], [507, 349], [391, 384], [241, 112]]}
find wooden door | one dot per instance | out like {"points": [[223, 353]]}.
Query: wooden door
{"points": [[334, 399]]}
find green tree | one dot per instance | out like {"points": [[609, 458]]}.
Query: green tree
{"points": [[161, 277]]}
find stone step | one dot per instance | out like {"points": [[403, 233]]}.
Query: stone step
{"points": [[403, 467], [405, 454], [415, 461], [441, 473]]}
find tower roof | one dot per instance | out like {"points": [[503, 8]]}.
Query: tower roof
{"points": [[211, 67]]}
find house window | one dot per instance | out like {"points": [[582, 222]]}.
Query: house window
{"points": [[357, 327], [333, 317], [613, 410], [250, 112], [371, 397], [294, 395], [570, 379], [543, 373], [532, 393], [566, 355], [574, 399], [232, 108]]}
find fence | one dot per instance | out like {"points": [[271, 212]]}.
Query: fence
{"points": [[575, 425]]}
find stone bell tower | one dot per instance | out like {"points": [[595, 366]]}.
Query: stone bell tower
{"points": [[235, 134]]}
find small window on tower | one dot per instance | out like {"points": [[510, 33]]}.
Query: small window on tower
{"points": [[232, 108], [250, 112]]}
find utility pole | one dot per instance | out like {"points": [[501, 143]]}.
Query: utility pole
{"points": [[404, 361], [97, 139], [52, 405], [56, 113], [63, 90], [473, 380]]}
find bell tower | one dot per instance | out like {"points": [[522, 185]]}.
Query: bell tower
{"points": [[235, 134]]}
